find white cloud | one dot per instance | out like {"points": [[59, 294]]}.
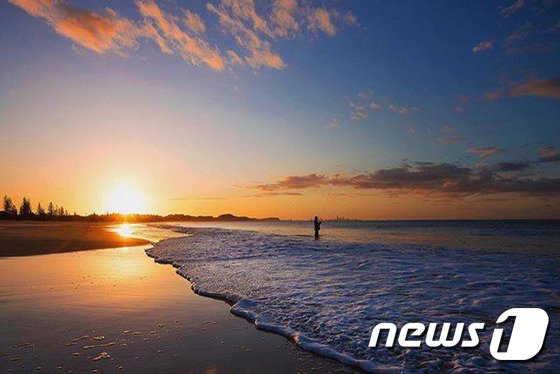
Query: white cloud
{"points": [[483, 46]]}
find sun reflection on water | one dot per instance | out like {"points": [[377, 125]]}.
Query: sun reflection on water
{"points": [[125, 230]]}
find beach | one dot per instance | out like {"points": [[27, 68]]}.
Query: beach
{"points": [[327, 294], [276, 300], [20, 238], [116, 310]]}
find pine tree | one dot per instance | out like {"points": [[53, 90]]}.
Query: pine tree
{"points": [[25, 209], [51, 210], [40, 211], [7, 204]]}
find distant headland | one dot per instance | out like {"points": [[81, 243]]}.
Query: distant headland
{"points": [[55, 213]]}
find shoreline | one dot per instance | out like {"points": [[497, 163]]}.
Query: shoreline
{"points": [[126, 298], [147, 258], [20, 239], [293, 337], [267, 279]]}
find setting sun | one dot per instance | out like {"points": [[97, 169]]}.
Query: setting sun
{"points": [[125, 199]]}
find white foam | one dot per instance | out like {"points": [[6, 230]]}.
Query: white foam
{"points": [[328, 296]]}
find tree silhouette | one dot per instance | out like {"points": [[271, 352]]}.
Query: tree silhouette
{"points": [[9, 207], [51, 210], [40, 211], [25, 209], [7, 204], [9, 211]]}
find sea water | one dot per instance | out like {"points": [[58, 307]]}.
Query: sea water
{"points": [[328, 294]]}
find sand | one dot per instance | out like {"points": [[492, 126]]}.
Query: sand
{"points": [[33, 238], [115, 310]]}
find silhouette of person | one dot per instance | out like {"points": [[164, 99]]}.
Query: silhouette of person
{"points": [[317, 226]]}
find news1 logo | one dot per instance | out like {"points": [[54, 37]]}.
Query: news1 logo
{"points": [[526, 339], [527, 336]]}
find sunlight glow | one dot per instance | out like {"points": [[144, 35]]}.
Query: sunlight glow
{"points": [[124, 230], [125, 199]]}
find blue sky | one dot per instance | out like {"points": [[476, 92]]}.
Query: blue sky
{"points": [[348, 88]]}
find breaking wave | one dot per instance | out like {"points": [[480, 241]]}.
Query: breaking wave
{"points": [[327, 296]]}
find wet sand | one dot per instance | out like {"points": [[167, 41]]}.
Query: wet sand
{"points": [[115, 310], [33, 238]]}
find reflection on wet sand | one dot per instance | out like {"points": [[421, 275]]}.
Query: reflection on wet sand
{"points": [[116, 310], [124, 229]]}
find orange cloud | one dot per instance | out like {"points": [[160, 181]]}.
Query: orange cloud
{"points": [[510, 10], [538, 87], [549, 154], [374, 105], [483, 46], [533, 87], [245, 10], [284, 17], [402, 109], [321, 19], [194, 22], [491, 96], [106, 31], [295, 182], [359, 112], [234, 58], [98, 31], [163, 28], [252, 30], [485, 151], [259, 50], [452, 139]]}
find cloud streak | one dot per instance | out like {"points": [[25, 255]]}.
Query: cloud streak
{"points": [[100, 32], [507, 167], [254, 31], [294, 182], [167, 33], [402, 109], [483, 46], [194, 22], [510, 10], [359, 112], [182, 33], [428, 179], [320, 19], [549, 154], [234, 18], [533, 87], [451, 139], [538, 87], [484, 152]]}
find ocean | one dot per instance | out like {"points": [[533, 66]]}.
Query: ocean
{"points": [[328, 294]]}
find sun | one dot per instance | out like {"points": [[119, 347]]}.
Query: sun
{"points": [[124, 229], [125, 199]]}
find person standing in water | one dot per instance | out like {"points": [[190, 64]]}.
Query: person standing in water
{"points": [[317, 225]]}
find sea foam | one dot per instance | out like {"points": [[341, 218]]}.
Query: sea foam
{"points": [[327, 296]]}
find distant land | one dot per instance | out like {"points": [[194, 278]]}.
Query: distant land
{"points": [[116, 217], [132, 218]]}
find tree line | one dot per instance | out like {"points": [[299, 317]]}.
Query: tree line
{"points": [[56, 213], [26, 211]]}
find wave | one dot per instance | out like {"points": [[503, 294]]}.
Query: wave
{"points": [[327, 296]]}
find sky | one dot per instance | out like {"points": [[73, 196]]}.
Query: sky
{"points": [[285, 108]]}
